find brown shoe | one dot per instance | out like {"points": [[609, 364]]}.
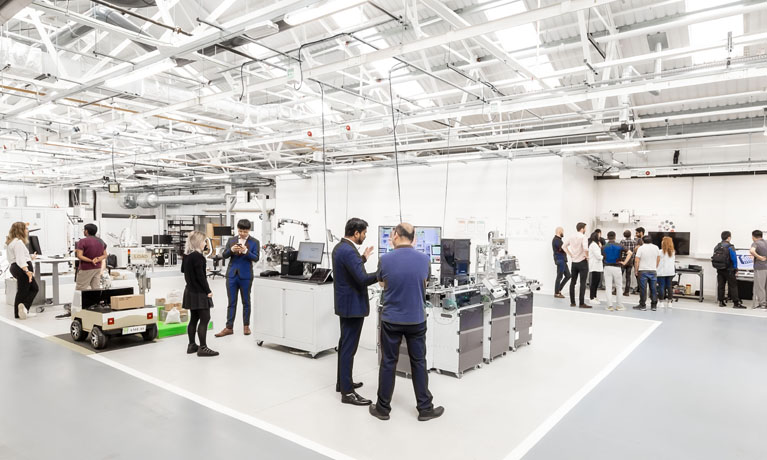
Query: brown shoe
{"points": [[224, 332], [559, 296], [583, 305], [572, 304], [246, 330]]}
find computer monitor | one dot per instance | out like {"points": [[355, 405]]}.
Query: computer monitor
{"points": [[34, 245], [745, 259], [146, 240], [222, 231], [384, 239], [428, 240], [310, 253], [681, 241]]}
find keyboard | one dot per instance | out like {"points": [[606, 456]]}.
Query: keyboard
{"points": [[295, 277]]}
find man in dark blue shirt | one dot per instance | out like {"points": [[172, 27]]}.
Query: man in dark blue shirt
{"points": [[727, 275], [350, 291], [560, 260], [403, 273]]}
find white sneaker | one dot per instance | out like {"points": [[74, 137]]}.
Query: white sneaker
{"points": [[22, 311], [610, 308], [31, 313], [670, 303], [620, 308]]}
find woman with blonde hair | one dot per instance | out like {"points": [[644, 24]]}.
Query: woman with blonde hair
{"points": [[198, 298], [666, 271], [21, 269]]}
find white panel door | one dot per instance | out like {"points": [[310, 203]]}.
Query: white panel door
{"points": [[299, 316], [268, 310]]}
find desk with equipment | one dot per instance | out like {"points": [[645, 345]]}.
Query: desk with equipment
{"points": [[296, 309], [683, 291], [745, 275]]}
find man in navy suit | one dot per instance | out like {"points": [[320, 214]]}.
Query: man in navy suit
{"points": [[243, 250], [350, 287]]}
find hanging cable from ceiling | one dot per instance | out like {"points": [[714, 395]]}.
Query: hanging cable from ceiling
{"points": [[324, 173], [396, 148]]}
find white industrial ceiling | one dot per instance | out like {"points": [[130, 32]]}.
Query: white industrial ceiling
{"points": [[191, 94]]}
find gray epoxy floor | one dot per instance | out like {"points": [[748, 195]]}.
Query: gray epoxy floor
{"points": [[696, 388], [46, 390]]}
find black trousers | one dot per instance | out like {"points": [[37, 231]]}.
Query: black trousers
{"points": [[351, 329], [198, 322], [580, 273], [723, 277], [391, 338], [596, 278], [26, 290], [628, 273], [563, 275]]}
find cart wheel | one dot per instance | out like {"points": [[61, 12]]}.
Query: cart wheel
{"points": [[504, 353], [313, 355], [76, 330], [259, 342], [40, 309], [459, 375], [150, 333], [513, 349], [98, 339], [528, 343]]}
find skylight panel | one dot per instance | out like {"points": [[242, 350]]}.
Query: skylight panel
{"points": [[705, 32], [513, 38], [349, 18]]}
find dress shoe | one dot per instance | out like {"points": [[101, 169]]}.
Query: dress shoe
{"points": [[559, 295], [584, 305], [572, 305], [224, 332], [206, 352], [722, 303], [354, 399], [246, 330], [377, 413], [739, 305], [625, 294], [430, 414], [354, 385]]}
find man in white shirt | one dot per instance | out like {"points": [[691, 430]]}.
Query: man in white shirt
{"points": [[577, 248], [647, 259]]}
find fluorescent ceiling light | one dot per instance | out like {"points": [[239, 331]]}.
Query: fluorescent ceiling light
{"points": [[323, 9], [262, 29], [216, 177], [289, 176], [275, 172], [139, 74], [444, 158], [351, 166], [598, 146]]}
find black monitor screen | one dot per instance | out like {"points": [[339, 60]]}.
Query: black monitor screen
{"points": [[310, 253], [681, 241], [164, 239], [222, 231], [147, 240], [34, 245]]}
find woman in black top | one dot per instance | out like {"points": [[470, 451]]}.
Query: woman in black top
{"points": [[198, 298]]}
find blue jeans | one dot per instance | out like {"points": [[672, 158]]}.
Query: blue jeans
{"points": [[664, 287], [563, 275], [645, 278]]}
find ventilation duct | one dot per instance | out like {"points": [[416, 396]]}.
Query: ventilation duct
{"points": [[133, 3], [153, 200], [129, 201]]}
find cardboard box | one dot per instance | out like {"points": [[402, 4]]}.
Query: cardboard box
{"points": [[126, 302], [159, 302], [171, 306]]}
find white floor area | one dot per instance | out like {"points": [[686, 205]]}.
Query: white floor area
{"points": [[489, 413]]}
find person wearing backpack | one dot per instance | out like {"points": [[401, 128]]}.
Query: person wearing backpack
{"points": [[725, 262]]}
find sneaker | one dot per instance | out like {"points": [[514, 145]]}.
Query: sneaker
{"points": [[620, 308], [192, 348], [739, 305], [722, 304], [430, 414], [654, 308], [610, 308], [641, 307], [205, 351], [32, 313], [375, 412], [22, 310], [572, 304]]}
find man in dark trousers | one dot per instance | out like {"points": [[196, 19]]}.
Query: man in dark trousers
{"points": [[243, 250], [403, 273], [352, 304], [560, 260], [726, 263]]}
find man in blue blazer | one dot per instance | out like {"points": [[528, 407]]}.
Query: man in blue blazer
{"points": [[350, 287], [243, 251]]}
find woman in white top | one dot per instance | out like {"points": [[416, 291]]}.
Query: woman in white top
{"points": [[666, 271], [595, 264], [21, 269]]}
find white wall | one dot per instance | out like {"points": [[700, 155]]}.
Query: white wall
{"points": [[703, 206], [477, 192], [46, 197]]}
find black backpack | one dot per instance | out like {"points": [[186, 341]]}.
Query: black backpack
{"points": [[721, 258]]}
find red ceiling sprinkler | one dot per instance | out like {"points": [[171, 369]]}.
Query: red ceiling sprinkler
{"points": [[37, 139], [309, 134]]}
